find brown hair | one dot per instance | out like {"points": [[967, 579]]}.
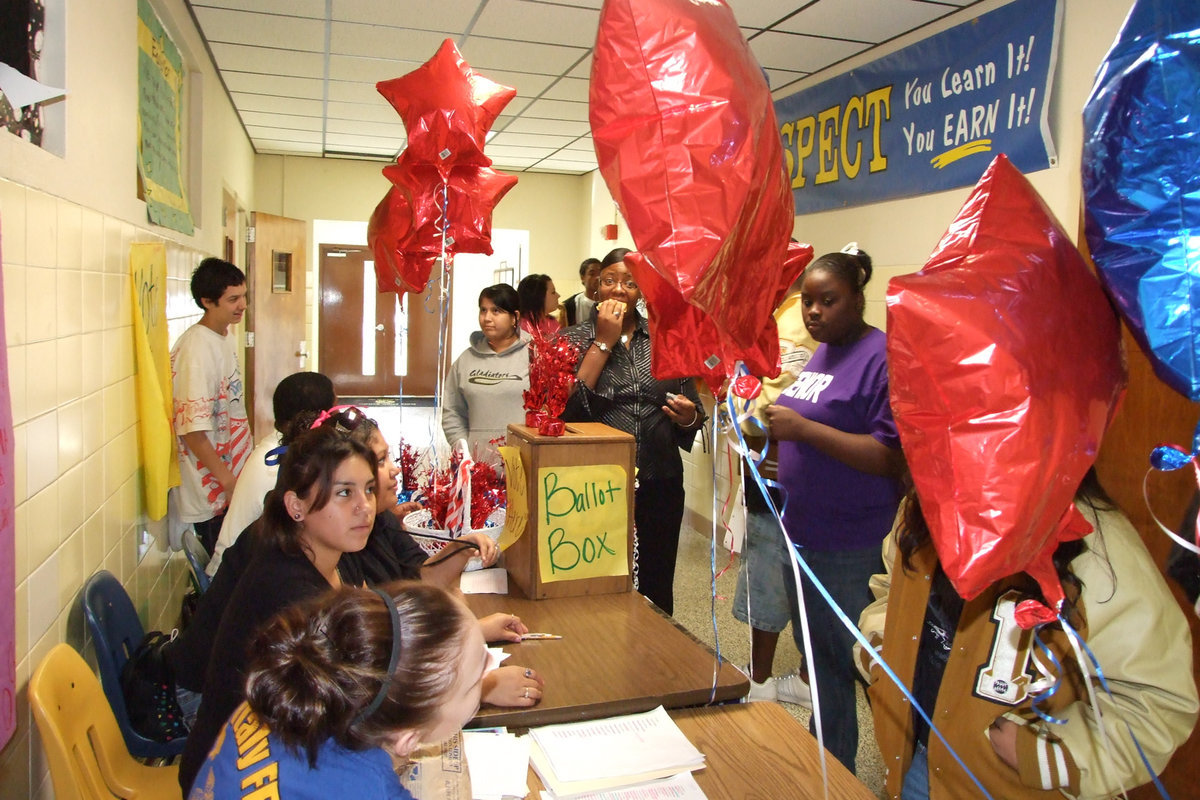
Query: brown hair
{"points": [[308, 465], [319, 665]]}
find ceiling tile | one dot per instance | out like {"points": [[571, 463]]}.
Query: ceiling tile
{"points": [[557, 109], [368, 70], [364, 112], [393, 131], [266, 30], [554, 127], [531, 139], [573, 89], [280, 85], [485, 55], [269, 61], [875, 20], [568, 167], [314, 9], [258, 119], [287, 148], [283, 134], [762, 13], [274, 104], [380, 41], [444, 15], [534, 21], [798, 53], [351, 92]]}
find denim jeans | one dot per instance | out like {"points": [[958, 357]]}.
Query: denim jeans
{"points": [[845, 575], [765, 586], [916, 780]]}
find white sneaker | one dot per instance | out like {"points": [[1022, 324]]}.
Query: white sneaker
{"points": [[760, 692], [791, 688]]}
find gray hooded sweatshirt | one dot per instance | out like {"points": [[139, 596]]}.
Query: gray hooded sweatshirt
{"points": [[484, 393]]}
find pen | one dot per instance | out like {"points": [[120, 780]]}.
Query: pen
{"points": [[539, 636]]}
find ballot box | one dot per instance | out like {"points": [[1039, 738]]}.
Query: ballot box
{"points": [[574, 494]]}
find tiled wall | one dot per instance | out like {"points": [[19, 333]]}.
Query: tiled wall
{"points": [[79, 509]]}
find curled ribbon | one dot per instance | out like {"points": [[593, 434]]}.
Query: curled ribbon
{"points": [[1168, 458]]}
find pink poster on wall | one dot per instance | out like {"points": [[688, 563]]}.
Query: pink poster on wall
{"points": [[8, 596]]}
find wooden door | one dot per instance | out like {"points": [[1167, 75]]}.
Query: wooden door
{"points": [[370, 345], [275, 337]]}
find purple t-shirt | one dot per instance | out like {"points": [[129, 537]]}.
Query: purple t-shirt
{"points": [[831, 506]]}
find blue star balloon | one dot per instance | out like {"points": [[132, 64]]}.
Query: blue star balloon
{"points": [[1141, 182]]}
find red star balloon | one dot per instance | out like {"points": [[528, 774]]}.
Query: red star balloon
{"points": [[470, 195], [688, 145], [447, 109], [686, 343], [389, 235], [1005, 366]]}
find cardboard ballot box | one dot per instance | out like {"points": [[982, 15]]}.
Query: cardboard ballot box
{"points": [[578, 499]]}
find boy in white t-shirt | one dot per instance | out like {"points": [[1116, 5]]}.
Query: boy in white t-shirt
{"points": [[210, 412]]}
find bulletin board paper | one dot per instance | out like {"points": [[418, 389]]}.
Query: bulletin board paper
{"points": [[517, 514], [583, 522], [152, 381]]}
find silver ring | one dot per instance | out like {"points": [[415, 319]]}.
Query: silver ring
{"points": [[526, 693]]}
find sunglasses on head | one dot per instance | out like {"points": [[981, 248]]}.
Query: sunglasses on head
{"points": [[344, 418]]}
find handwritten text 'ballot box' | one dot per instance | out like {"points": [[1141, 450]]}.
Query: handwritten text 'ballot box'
{"points": [[574, 494]]}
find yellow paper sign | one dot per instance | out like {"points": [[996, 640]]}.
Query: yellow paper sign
{"points": [[152, 381], [583, 522], [517, 513]]}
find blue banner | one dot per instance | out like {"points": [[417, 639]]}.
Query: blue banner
{"points": [[929, 117]]}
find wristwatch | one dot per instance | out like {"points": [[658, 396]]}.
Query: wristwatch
{"points": [[603, 347]]}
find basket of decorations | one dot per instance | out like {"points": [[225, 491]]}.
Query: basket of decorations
{"points": [[468, 497]]}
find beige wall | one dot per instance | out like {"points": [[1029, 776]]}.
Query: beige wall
{"points": [[66, 225], [901, 234], [549, 206]]}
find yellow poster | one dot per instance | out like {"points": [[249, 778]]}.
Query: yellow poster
{"points": [[583, 522], [517, 514], [152, 381]]}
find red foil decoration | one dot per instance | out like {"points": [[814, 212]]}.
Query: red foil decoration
{"points": [[687, 142], [447, 109], [1005, 369], [552, 361], [444, 188]]}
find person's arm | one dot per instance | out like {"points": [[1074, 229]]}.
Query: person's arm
{"points": [[512, 686], [202, 449], [445, 570], [860, 451], [1140, 637]]}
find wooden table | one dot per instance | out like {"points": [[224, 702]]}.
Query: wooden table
{"points": [[619, 655], [756, 751]]}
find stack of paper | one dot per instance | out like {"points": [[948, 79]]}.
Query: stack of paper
{"points": [[498, 763], [591, 757]]}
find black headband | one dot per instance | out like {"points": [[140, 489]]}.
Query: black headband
{"points": [[386, 684]]}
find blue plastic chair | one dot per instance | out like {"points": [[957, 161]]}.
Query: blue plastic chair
{"points": [[116, 632], [197, 558]]}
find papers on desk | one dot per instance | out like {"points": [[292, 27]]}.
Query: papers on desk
{"points": [[586, 758], [498, 763], [677, 787], [484, 581]]}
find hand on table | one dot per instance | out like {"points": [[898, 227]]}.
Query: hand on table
{"points": [[512, 686], [502, 628]]}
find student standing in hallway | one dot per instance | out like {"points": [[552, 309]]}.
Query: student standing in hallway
{"points": [[210, 413]]}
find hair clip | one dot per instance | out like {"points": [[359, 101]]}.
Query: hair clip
{"points": [[274, 455], [346, 418], [851, 249]]}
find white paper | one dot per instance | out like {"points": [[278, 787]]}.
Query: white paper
{"points": [[22, 90], [484, 581], [608, 748], [495, 658], [678, 787], [498, 763]]}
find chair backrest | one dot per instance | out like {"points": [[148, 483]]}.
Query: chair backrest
{"points": [[83, 743], [197, 558], [117, 632]]}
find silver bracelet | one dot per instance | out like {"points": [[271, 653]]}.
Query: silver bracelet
{"points": [[695, 417]]}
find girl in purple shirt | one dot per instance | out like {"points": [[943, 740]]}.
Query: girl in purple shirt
{"points": [[840, 461]]}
